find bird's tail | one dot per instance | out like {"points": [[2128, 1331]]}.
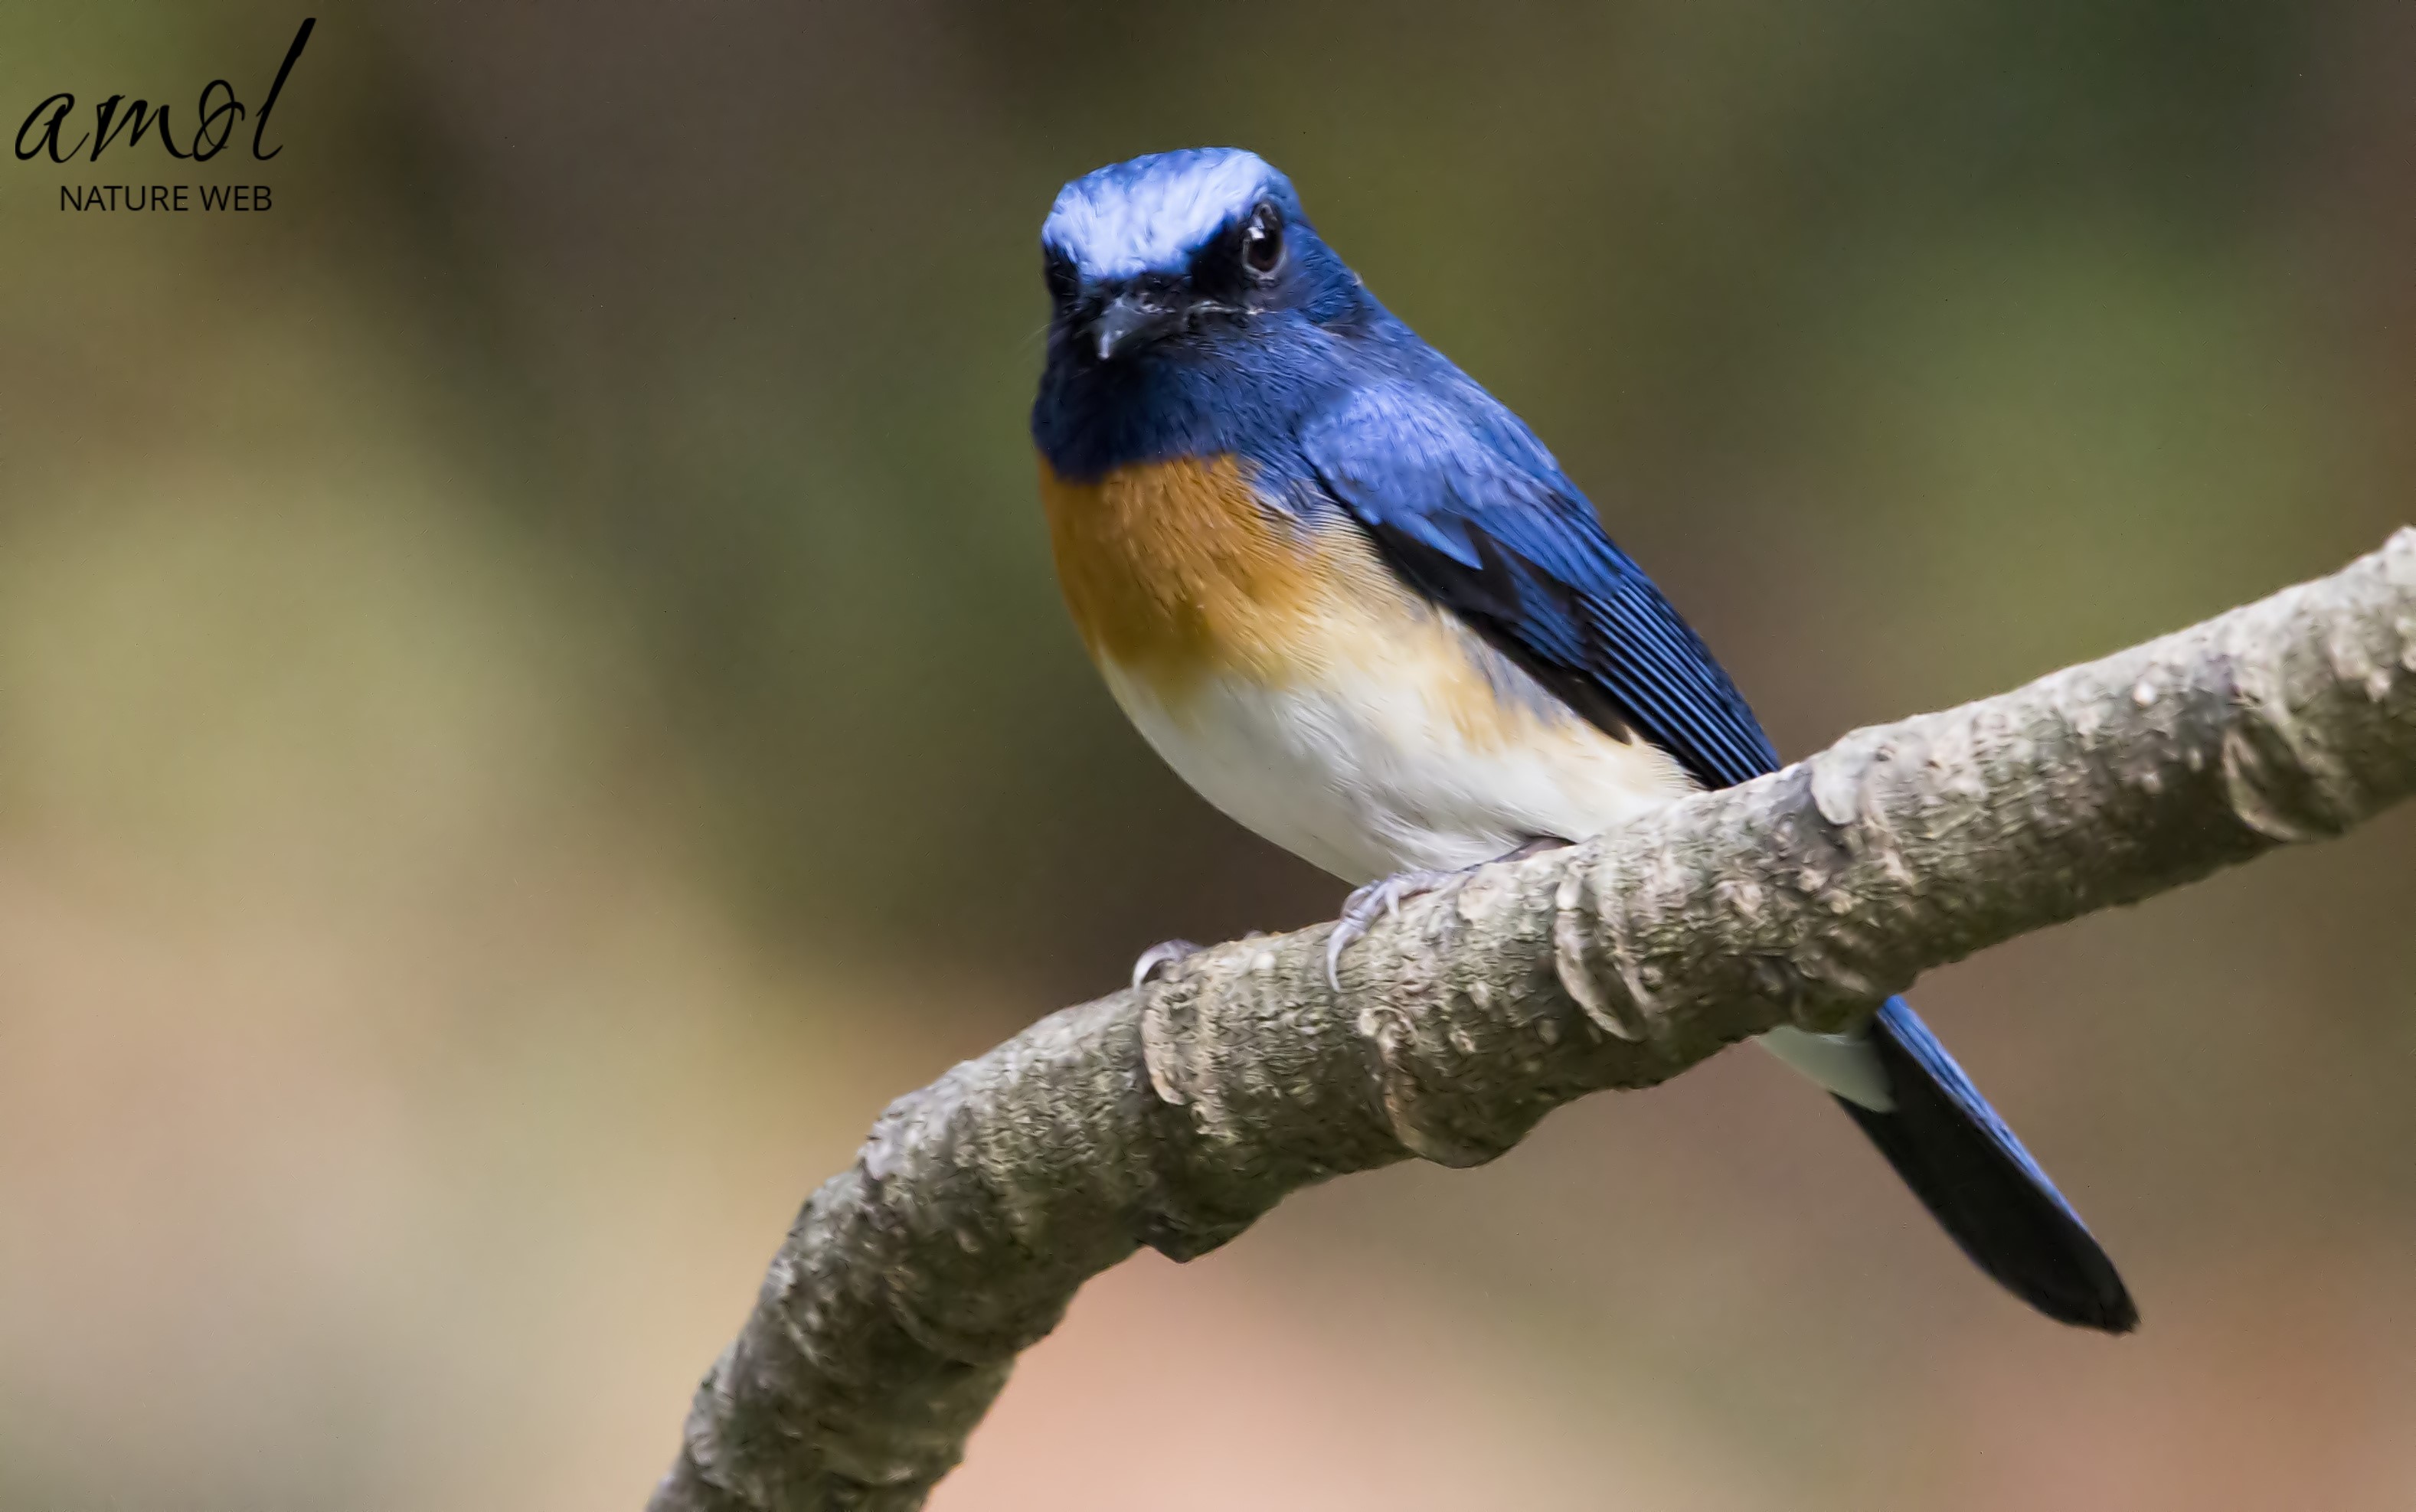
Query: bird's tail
{"points": [[1977, 1180]]}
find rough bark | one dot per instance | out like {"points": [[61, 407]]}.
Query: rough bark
{"points": [[1175, 1114]]}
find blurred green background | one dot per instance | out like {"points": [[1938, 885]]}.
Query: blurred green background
{"points": [[532, 702]]}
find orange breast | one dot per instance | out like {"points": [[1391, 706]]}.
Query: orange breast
{"points": [[1176, 571], [1176, 574]]}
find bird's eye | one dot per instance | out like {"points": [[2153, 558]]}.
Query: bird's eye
{"points": [[1057, 271], [1263, 247]]}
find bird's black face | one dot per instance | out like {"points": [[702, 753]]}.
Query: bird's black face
{"points": [[1246, 270]]}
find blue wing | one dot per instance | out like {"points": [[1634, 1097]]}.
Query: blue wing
{"points": [[1470, 509]]}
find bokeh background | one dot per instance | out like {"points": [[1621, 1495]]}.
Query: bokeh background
{"points": [[532, 702]]}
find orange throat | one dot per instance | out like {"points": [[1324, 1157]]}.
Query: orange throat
{"points": [[1176, 571]]}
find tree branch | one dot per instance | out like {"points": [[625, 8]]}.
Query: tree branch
{"points": [[1174, 1116]]}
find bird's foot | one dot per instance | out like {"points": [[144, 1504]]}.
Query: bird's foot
{"points": [[1158, 957], [1387, 894], [1383, 898]]}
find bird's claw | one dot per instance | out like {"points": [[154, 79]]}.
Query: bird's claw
{"points": [[1158, 957], [1383, 896]]}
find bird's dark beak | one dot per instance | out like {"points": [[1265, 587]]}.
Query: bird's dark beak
{"points": [[1131, 317]]}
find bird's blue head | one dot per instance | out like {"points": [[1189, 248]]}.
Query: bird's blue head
{"points": [[1182, 250], [1195, 312]]}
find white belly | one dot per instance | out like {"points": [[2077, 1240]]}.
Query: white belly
{"points": [[1369, 771]]}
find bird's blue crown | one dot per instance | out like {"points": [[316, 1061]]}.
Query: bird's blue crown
{"points": [[1151, 214]]}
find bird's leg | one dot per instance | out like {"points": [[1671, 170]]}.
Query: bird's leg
{"points": [[1387, 894], [1384, 896], [1158, 957]]}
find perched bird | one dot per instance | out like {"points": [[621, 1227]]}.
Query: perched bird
{"points": [[1352, 600]]}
